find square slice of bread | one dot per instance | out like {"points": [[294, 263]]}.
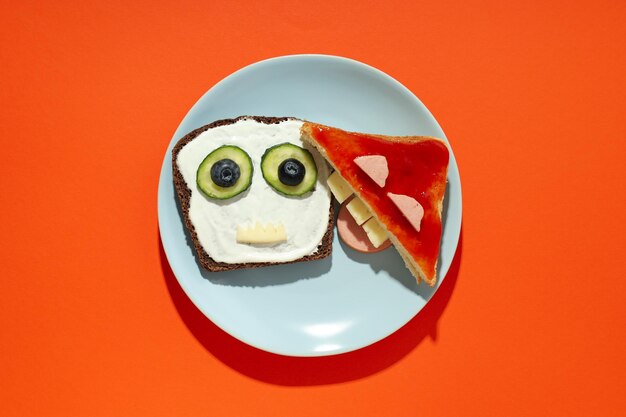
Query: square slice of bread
{"points": [[184, 195]]}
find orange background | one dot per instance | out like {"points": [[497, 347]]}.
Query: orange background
{"points": [[531, 319]]}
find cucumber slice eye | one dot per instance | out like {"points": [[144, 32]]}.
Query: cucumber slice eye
{"points": [[289, 169], [224, 173]]}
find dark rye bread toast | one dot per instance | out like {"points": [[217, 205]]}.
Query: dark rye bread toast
{"points": [[184, 195]]}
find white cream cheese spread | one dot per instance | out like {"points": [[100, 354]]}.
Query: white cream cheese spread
{"points": [[304, 218]]}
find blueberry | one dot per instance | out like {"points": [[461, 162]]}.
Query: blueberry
{"points": [[291, 172], [225, 172]]}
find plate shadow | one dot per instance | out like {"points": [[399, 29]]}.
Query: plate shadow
{"points": [[298, 371]]}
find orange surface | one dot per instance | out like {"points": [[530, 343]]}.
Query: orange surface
{"points": [[531, 318]]}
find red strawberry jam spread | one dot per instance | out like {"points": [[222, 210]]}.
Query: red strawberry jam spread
{"points": [[417, 168]]}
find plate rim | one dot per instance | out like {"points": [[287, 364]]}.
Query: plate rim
{"points": [[160, 196]]}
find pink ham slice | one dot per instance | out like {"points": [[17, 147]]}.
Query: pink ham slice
{"points": [[375, 166], [410, 208]]}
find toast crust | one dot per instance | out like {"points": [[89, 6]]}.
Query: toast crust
{"points": [[184, 195]]}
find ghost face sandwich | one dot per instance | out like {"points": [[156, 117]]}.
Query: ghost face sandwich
{"points": [[253, 194]]}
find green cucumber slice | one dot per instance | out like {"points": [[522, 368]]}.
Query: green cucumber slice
{"points": [[225, 155], [281, 157]]}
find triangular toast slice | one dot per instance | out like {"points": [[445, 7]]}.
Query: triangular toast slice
{"points": [[402, 181]]}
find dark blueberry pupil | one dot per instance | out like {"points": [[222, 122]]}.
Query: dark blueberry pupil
{"points": [[291, 172], [225, 172]]}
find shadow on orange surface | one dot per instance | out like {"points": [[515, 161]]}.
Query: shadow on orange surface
{"points": [[296, 371]]}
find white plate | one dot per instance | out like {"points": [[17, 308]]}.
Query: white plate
{"points": [[325, 307]]}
